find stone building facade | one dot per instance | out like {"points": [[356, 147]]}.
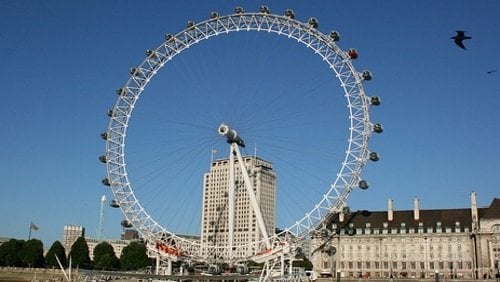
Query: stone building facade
{"points": [[451, 243]]}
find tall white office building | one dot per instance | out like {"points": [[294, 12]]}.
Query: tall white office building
{"points": [[71, 234], [215, 214]]}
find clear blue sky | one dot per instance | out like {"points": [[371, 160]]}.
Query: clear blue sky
{"points": [[61, 63]]}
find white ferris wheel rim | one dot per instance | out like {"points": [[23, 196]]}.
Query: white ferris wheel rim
{"points": [[356, 154]]}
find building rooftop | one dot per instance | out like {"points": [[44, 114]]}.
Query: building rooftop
{"points": [[426, 218]]}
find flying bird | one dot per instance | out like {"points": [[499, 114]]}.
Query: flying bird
{"points": [[491, 71], [459, 38]]}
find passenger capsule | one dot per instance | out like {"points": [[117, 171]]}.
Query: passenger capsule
{"points": [[105, 136], [114, 203], [135, 71], [324, 232], [375, 100], [110, 113], [350, 231], [103, 159], [313, 22], [377, 128], [150, 53], [120, 91], [335, 35], [264, 9], [239, 10], [363, 184], [366, 75], [106, 182], [169, 37], [346, 210], [289, 14], [126, 223], [374, 156], [190, 24], [352, 53], [214, 15]]}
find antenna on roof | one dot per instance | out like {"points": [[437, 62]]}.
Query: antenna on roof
{"points": [[212, 153]]}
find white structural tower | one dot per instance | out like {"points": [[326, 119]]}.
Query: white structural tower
{"points": [[239, 202], [101, 219]]}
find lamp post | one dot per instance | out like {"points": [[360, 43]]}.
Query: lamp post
{"points": [[380, 256], [425, 258], [497, 258], [337, 261]]}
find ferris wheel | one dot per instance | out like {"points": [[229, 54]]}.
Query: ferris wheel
{"points": [[334, 199]]}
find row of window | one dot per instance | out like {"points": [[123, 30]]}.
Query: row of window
{"points": [[404, 230], [407, 248], [402, 265]]}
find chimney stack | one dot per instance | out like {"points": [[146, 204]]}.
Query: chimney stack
{"points": [[390, 210], [474, 213], [416, 209]]}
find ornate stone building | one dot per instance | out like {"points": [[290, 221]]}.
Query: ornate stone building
{"points": [[451, 243]]}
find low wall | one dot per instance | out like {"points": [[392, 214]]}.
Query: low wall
{"points": [[18, 274]]}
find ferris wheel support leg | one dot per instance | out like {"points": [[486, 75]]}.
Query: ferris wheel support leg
{"points": [[251, 195], [231, 199]]}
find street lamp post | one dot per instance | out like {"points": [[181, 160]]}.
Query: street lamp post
{"points": [[337, 261], [497, 258], [380, 257], [425, 258]]}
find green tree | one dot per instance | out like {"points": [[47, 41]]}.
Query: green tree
{"points": [[57, 249], [105, 257], [32, 253], [10, 253], [79, 254], [134, 256]]}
